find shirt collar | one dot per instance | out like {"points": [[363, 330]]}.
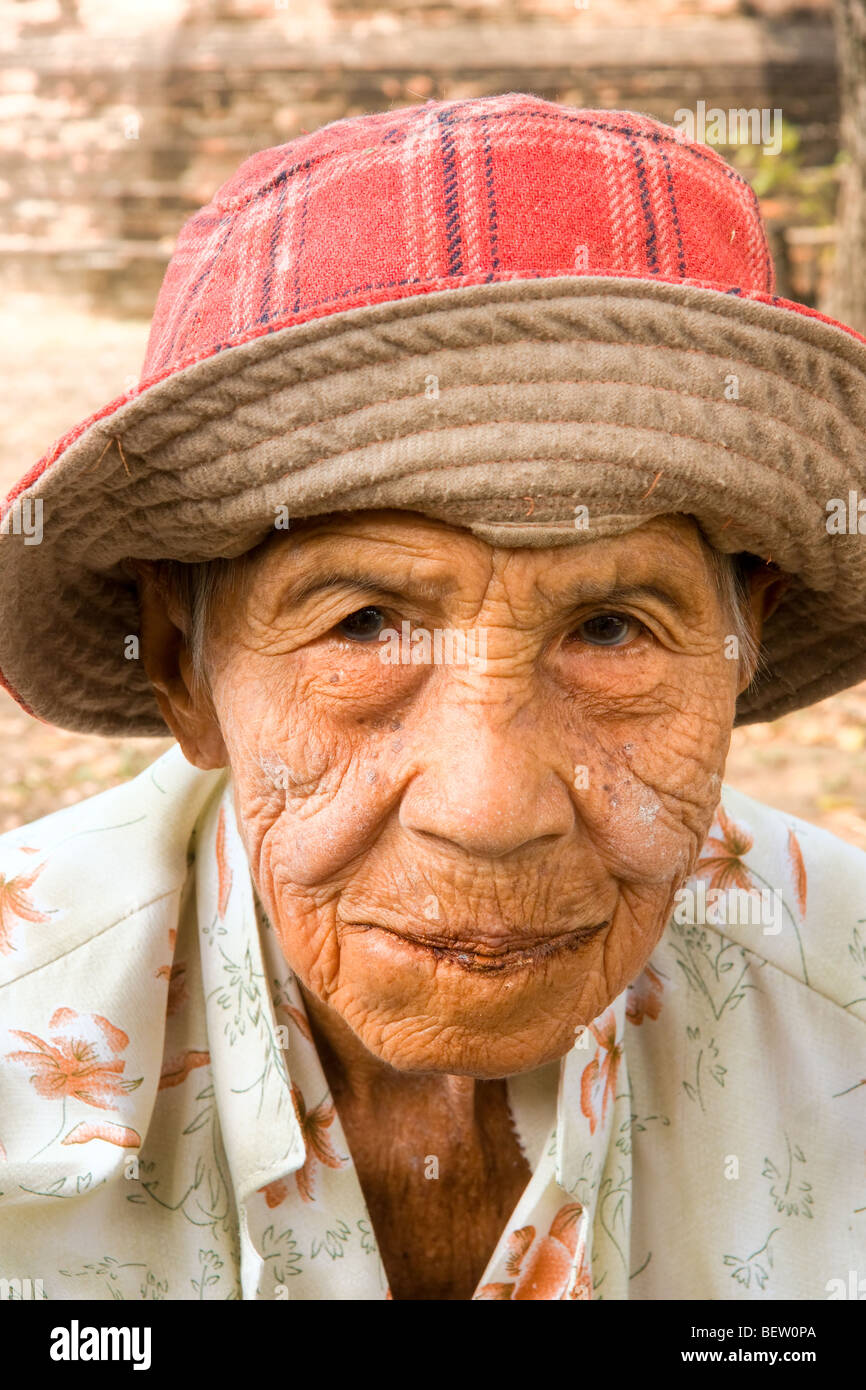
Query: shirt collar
{"points": [[261, 1134]]}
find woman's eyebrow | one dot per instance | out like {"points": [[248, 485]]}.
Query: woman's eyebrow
{"points": [[609, 594], [345, 577]]}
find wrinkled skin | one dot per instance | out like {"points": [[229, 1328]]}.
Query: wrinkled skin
{"points": [[462, 865]]}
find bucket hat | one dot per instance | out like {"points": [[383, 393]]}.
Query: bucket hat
{"points": [[545, 324]]}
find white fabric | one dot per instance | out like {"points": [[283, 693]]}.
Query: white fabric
{"points": [[706, 1139]]}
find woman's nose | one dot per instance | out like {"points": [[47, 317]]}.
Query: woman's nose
{"points": [[487, 787]]}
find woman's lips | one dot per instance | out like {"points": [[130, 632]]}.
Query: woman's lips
{"points": [[487, 957]]}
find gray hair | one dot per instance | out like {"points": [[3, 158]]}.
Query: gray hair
{"points": [[731, 574], [197, 589]]}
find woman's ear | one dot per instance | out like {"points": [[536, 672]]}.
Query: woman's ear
{"points": [[767, 587], [184, 701]]}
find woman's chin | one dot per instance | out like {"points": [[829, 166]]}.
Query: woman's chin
{"points": [[440, 1048], [420, 1008]]}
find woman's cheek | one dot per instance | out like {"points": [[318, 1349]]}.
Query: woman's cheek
{"points": [[647, 794], [634, 832], [313, 804]]}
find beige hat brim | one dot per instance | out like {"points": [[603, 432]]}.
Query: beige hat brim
{"points": [[499, 407]]}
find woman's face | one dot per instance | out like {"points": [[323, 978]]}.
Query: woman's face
{"points": [[469, 855]]}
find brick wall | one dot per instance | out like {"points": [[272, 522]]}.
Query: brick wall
{"points": [[118, 120]]}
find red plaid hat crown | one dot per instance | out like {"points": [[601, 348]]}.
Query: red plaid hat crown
{"points": [[449, 194]]}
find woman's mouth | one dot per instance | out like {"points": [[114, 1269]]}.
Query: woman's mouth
{"points": [[487, 957]]}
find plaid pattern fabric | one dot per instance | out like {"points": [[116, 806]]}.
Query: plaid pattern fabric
{"points": [[433, 197]]}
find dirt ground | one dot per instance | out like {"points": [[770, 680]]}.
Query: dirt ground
{"points": [[59, 361]]}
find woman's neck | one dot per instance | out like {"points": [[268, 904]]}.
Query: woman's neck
{"points": [[357, 1078], [437, 1157]]}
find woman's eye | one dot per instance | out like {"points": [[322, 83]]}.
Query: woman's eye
{"points": [[607, 630], [364, 625]]}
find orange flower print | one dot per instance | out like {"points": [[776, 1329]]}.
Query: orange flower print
{"points": [[120, 1135], [297, 1018], [175, 1070], [15, 903], [177, 990], [318, 1146], [645, 996], [798, 871], [545, 1267], [319, 1150], [175, 974], [581, 1285], [723, 866], [275, 1192], [80, 1062], [598, 1082], [224, 873]]}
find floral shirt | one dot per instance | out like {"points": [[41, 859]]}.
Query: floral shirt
{"points": [[166, 1130]]}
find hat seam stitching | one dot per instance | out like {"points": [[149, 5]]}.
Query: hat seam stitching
{"points": [[394, 477], [288, 434], [397, 400]]}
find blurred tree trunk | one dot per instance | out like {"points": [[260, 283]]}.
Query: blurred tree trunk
{"points": [[848, 294]]}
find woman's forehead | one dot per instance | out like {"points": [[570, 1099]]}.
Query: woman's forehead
{"points": [[424, 560], [400, 538]]}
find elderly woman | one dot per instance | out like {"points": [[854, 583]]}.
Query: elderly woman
{"points": [[477, 484]]}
